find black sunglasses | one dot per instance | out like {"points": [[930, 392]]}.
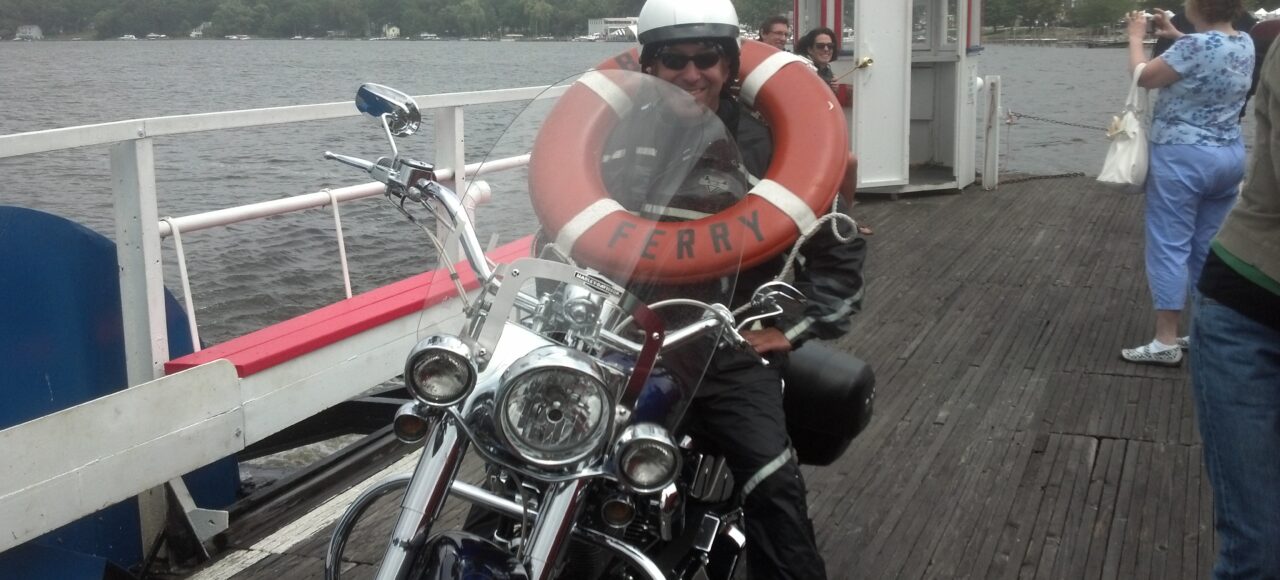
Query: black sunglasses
{"points": [[677, 61], [824, 45]]}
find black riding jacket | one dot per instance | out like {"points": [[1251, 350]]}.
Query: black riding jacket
{"points": [[828, 271]]}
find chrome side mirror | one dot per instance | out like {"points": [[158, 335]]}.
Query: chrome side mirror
{"points": [[397, 110]]}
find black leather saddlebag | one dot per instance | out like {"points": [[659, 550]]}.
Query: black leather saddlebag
{"points": [[828, 400]]}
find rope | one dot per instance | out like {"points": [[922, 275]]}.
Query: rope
{"points": [[835, 217], [1012, 117]]}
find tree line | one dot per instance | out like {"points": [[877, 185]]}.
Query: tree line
{"points": [[357, 18], [451, 18]]}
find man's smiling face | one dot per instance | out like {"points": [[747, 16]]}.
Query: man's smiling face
{"points": [[683, 66]]}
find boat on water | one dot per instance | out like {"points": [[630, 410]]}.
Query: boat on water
{"points": [[242, 394], [1116, 43]]}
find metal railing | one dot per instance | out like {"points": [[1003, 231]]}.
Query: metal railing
{"points": [[139, 228], [233, 412]]}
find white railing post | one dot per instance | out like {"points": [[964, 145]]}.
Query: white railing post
{"points": [[342, 242], [146, 340], [133, 183], [991, 143], [450, 148]]}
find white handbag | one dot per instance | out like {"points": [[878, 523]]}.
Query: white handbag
{"points": [[1126, 162]]}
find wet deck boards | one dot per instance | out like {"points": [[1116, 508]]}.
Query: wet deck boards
{"points": [[1009, 441]]}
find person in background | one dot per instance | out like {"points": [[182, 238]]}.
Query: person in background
{"points": [[774, 31], [1242, 23], [1235, 355], [1263, 35], [1196, 155], [819, 46]]}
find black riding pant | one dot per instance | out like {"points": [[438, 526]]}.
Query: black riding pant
{"points": [[739, 411]]}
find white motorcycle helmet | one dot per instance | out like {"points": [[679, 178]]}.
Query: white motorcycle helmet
{"points": [[664, 22]]}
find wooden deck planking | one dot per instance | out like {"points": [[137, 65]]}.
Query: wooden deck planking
{"points": [[1104, 486], [1009, 439], [1208, 546], [1086, 325]]}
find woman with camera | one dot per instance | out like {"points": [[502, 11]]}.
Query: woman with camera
{"points": [[1196, 154]]}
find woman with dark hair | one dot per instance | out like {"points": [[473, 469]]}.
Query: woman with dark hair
{"points": [[819, 46], [1196, 154]]}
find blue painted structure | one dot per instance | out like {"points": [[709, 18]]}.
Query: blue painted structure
{"points": [[62, 344]]}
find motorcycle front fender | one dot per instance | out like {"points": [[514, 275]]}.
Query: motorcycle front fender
{"points": [[456, 555]]}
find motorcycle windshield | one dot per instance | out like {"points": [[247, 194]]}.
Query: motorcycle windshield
{"points": [[613, 193]]}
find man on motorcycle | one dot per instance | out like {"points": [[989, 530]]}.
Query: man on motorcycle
{"points": [[693, 44]]}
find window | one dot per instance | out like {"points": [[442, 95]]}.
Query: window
{"points": [[920, 30], [953, 22]]}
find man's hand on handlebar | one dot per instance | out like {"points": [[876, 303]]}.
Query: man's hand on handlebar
{"points": [[767, 340]]}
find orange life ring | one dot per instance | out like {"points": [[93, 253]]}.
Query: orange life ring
{"points": [[810, 154]]}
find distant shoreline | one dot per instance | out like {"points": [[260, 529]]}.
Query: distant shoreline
{"points": [[1062, 36], [74, 38]]}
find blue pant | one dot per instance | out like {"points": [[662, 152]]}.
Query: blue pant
{"points": [[1190, 190], [1235, 366]]}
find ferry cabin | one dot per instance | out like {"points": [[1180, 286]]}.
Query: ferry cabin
{"points": [[913, 72]]}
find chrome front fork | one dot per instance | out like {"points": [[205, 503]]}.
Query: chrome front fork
{"points": [[554, 525], [430, 485], [428, 488]]}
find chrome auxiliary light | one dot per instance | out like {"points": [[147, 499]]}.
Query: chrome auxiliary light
{"points": [[411, 423], [553, 406], [441, 370], [646, 457]]}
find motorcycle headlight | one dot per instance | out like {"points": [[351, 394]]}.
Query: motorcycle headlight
{"points": [[553, 407], [441, 370], [646, 457]]}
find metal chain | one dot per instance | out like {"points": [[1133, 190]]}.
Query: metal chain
{"points": [[1012, 117], [1038, 177]]}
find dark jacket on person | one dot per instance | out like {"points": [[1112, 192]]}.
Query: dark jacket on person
{"points": [[828, 271]]}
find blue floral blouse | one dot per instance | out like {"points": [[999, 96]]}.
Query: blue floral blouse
{"points": [[1203, 107]]}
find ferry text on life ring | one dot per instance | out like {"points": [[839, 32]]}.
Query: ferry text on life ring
{"points": [[809, 158]]}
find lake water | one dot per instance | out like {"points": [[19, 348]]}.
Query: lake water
{"points": [[253, 274]]}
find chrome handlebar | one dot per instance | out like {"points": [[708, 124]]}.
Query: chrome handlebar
{"points": [[416, 181], [355, 162]]}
